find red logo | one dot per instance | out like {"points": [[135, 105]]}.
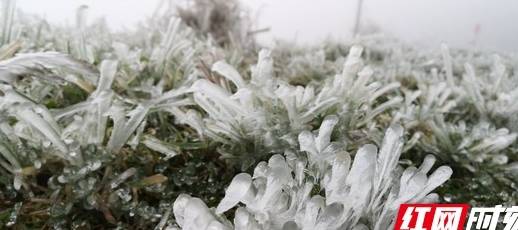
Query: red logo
{"points": [[431, 217]]}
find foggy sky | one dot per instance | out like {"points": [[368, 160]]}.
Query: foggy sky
{"points": [[423, 22]]}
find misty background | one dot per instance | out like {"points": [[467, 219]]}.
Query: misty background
{"points": [[481, 24]]}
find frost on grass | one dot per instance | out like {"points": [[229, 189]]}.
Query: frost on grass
{"points": [[268, 111], [325, 189], [108, 129]]}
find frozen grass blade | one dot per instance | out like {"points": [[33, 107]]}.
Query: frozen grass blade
{"points": [[45, 64], [8, 13]]}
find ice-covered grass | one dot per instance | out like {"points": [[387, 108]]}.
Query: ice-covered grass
{"points": [[150, 127]]}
